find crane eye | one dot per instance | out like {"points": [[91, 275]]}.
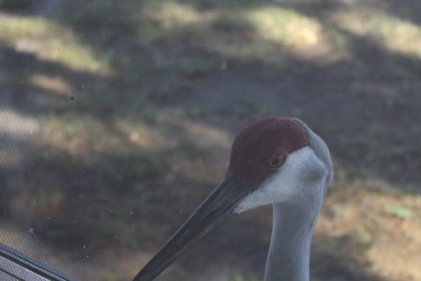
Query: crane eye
{"points": [[276, 161]]}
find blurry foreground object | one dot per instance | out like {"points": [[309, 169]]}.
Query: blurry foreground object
{"points": [[15, 266]]}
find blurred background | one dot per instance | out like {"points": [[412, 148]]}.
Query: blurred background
{"points": [[116, 119]]}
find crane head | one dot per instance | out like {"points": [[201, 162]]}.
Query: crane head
{"points": [[273, 161]]}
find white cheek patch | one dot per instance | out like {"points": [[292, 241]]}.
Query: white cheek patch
{"points": [[299, 181]]}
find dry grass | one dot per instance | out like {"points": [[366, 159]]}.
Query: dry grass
{"points": [[393, 33], [49, 41]]}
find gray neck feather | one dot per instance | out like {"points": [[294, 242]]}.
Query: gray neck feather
{"points": [[289, 251]]}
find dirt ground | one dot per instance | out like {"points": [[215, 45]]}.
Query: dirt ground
{"points": [[116, 120]]}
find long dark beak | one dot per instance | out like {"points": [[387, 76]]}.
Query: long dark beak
{"points": [[216, 207]]}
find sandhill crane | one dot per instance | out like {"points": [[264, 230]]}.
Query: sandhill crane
{"points": [[278, 161]]}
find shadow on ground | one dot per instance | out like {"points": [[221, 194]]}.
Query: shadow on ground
{"points": [[365, 106]]}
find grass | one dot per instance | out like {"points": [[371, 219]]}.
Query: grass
{"points": [[135, 106], [13, 28], [399, 211], [396, 34], [49, 41], [240, 277], [285, 26]]}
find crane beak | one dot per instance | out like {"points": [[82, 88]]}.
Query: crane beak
{"points": [[217, 206]]}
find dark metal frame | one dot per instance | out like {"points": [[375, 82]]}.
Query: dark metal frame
{"points": [[15, 266]]}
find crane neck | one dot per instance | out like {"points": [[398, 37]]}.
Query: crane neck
{"points": [[289, 251]]}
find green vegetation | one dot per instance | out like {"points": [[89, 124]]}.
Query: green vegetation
{"points": [[239, 277], [401, 212]]}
